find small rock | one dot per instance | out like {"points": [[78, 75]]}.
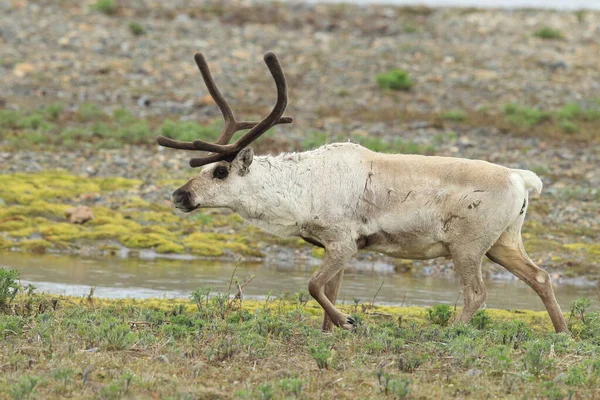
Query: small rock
{"points": [[79, 214], [464, 141]]}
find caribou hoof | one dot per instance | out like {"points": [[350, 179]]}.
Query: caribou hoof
{"points": [[350, 324]]}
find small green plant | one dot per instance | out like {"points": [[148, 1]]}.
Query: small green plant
{"points": [[53, 111], [481, 320], [455, 115], [548, 33], [9, 286], [200, 297], [535, 358], [136, 29], [568, 126], [579, 307], [398, 388], [525, 117], [499, 357], [266, 391], [552, 392], [440, 314], [322, 355], [24, 388], [396, 79], [108, 7], [190, 130], [90, 112], [291, 386], [409, 363]]}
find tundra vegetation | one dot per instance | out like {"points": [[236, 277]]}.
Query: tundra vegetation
{"points": [[220, 346]]}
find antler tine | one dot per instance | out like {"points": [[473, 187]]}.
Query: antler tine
{"points": [[229, 128], [175, 144], [261, 127]]}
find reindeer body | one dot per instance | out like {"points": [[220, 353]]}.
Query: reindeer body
{"points": [[345, 198], [405, 206]]}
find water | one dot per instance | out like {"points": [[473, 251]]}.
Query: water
{"points": [[509, 4], [137, 278]]}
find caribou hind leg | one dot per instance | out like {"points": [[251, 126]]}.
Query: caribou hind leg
{"points": [[509, 252]]}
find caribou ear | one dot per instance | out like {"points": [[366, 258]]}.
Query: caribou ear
{"points": [[242, 161]]}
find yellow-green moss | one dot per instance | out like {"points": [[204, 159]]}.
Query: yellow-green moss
{"points": [[213, 244], [170, 183], [21, 233], [136, 202], [204, 249], [169, 247], [317, 252], [5, 244], [535, 245], [34, 246], [575, 246], [14, 225], [116, 183], [105, 231], [61, 231], [156, 216], [36, 208], [593, 249], [23, 188], [141, 240], [150, 240]]}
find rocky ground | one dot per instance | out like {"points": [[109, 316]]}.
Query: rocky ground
{"points": [[470, 63]]}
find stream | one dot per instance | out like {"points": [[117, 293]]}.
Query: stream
{"points": [[114, 277]]}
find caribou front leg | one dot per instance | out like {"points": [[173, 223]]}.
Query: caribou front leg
{"points": [[335, 259], [331, 291]]}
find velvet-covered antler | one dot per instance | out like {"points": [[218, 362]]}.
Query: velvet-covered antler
{"points": [[221, 149]]}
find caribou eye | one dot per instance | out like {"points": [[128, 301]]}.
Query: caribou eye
{"points": [[220, 172]]}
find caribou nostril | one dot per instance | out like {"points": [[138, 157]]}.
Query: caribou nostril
{"points": [[182, 198]]}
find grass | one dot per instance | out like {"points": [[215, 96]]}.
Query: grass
{"points": [[526, 117], [91, 127], [315, 139], [455, 115], [108, 7], [568, 117], [219, 346], [396, 79], [548, 33], [136, 29]]}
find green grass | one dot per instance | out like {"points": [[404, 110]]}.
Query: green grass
{"points": [[396, 79], [548, 33], [526, 117], [108, 7], [455, 116], [568, 117], [90, 126], [136, 29], [315, 139], [220, 347]]}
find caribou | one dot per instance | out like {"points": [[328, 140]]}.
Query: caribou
{"points": [[345, 198]]}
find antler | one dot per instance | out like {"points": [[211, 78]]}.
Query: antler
{"points": [[221, 149]]}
